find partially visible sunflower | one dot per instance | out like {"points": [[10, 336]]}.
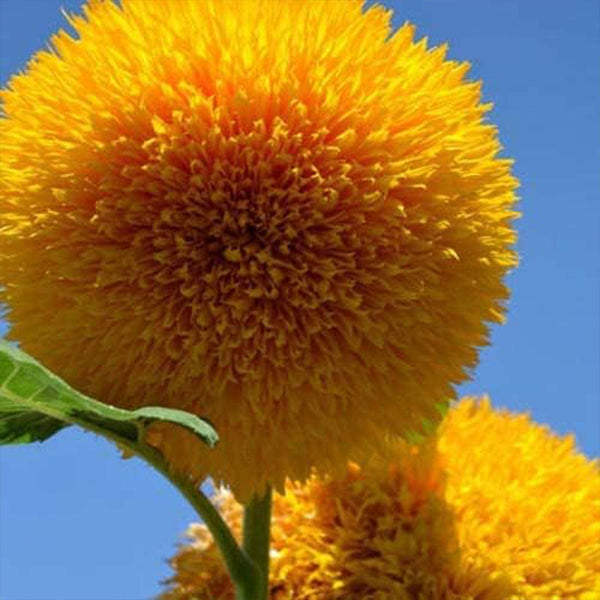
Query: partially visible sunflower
{"points": [[276, 214], [495, 508]]}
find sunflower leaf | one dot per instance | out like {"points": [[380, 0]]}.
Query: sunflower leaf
{"points": [[35, 404]]}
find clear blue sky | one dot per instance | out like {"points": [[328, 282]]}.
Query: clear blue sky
{"points": [[78, 523]]}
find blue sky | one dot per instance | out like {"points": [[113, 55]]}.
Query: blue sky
{"points": [[78, 523]]}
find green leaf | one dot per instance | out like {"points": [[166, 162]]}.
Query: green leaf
{"points": [[35, 404]]}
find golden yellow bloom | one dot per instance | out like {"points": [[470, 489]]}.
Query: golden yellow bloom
{"points": [[265, 212], [496, 508]]}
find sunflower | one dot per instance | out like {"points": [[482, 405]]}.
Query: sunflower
{"points": [[495, 507], [279, 215]]}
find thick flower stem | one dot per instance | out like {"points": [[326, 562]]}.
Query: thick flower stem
{"points": [[257, 539]]}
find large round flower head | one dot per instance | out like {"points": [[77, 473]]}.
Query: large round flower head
{"points": [[495, 508], [275, 214]]}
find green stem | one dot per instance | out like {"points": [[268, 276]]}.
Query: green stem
{"points": [[257, 539], [242, 570]]}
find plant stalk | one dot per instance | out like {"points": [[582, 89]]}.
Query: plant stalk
{"points": [[256, 541], [242, 570]]}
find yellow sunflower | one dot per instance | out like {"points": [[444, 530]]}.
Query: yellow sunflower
{"points": [[496, 507], [276, 214]]}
